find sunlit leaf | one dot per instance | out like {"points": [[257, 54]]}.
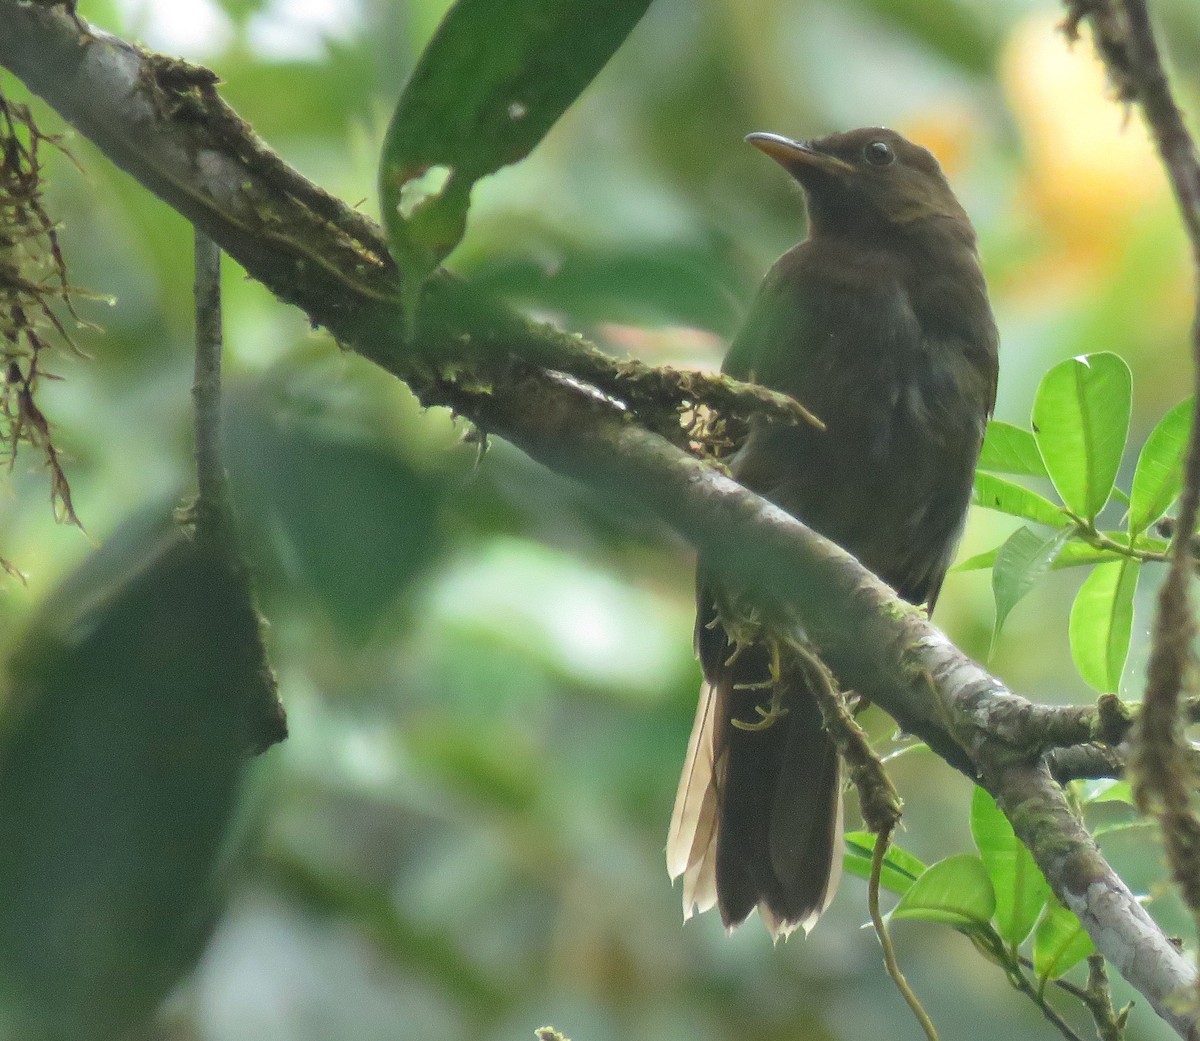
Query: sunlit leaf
{"points": [[995, 493], [1020, 562], [1081, 421], [956, 891], [1159, 475], [1021, 889], [1060, 943], [1008, 449], [1101, 623], [900, 868], [495, 77]]}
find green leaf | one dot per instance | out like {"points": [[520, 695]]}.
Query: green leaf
{"points": [[1060, 943], [1008, 449], [1159, 475], [345, 518], [979, 562], [1020, 562], [1080, 421], [1101, 623], [956, 891], [995, 493], [1021, 889], [135, 697], [900, 868], [492, 81], [1110, 790]]}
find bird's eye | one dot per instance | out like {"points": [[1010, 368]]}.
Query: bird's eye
{"points": [[879, 153]]}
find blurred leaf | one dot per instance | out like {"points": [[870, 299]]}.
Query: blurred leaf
{"points": [[1023, 559], [1008, 449], [136, 695], [900, 868], [956, 891], [955, 30], [995, 493], [663, 283], [494, 769], [413, 945], [1101, 623], [1060, 942], [1081, 420], [495, 77], [350, 522], [1159, 475], [336, 94], [1021, 889], [1111, 791]]}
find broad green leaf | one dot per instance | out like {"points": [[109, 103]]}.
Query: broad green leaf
{"points": [[995, 493], [1008, 449], [1020, 562], [900, 868], [135, 697], [1021, 889], [956, 891], [1060, 943], [1080, 421], [1159, 475], [1101, 623], [492, 81]]}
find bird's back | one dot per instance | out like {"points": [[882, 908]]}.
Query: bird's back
{"points": [[897, 356]]}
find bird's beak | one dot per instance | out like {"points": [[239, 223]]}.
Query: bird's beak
{"points": [[797, 157]]}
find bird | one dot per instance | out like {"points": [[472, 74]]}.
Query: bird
{"points": [[879, 323]]}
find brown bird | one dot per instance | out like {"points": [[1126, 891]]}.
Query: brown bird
{"points": [[879, 323]]}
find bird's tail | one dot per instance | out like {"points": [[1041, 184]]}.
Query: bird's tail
{"points": [[758, 814]]}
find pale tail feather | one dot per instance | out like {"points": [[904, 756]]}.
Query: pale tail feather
{"points": [[694, 819]]}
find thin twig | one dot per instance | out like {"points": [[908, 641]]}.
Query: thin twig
{"points": [[211, 508], [1110, 1024], [882, 841], [1022, 984]]}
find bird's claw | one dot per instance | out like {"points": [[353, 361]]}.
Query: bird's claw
{"points": [[766, 717]]}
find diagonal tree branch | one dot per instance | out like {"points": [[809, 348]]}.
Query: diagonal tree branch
{"points": [[162, 122]]}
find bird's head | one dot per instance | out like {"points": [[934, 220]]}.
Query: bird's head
{"points": [[871, 181]]}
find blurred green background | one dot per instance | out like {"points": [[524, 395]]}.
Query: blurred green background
{"points": [[488, 671]]}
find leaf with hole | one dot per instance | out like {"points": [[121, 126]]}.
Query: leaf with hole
{"points": [[493, 80]]}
